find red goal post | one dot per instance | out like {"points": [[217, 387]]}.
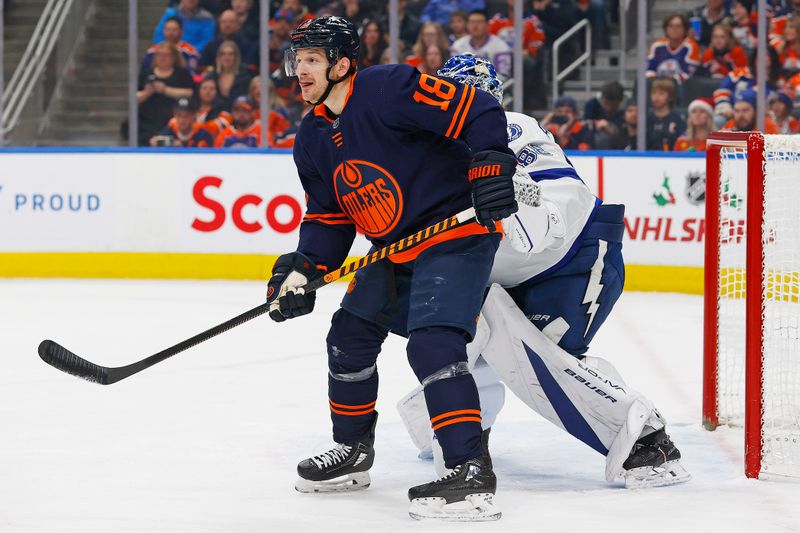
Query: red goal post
{"points": [[751, 366]]}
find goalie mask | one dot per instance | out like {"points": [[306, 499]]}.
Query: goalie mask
{"points": [[336, 36], [475, 71]]}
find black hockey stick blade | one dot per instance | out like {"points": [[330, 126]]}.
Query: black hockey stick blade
{"points": [[59, 357]]}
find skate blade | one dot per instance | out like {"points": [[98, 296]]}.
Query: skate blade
{"points": [[474, 508], [670, 473], [354, 481]]}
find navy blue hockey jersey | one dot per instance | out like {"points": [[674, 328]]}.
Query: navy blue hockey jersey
{"points": [[394, 162]]}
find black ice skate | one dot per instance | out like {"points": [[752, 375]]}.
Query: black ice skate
{"points": [[344, 467], [654, 462], [465, 494]]}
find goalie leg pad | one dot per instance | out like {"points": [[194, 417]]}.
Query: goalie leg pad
{"points": [[602, 412]]}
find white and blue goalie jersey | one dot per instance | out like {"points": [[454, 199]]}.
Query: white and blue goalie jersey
{"points": [[538, 238]]}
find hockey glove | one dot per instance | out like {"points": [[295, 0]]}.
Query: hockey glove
{"points": [[285, 288], [491, 173]]}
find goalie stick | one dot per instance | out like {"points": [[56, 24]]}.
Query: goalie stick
{"points": [[59, 357]]}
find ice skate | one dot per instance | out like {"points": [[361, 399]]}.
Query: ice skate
{"points": [[463, 495], [344, 467], [654, 462]]}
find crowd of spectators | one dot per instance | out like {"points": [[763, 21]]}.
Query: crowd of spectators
{"points": [[205, 57]]}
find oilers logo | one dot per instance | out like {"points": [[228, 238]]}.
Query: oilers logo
{"points": [[369, 195]]}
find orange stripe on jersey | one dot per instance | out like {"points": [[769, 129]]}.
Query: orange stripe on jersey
{"points": [[353, 413], [343, 406], [314, 216], [464, 114], [457, 421], [454, 413], [328, 222], [472, 228], [458, 109]]}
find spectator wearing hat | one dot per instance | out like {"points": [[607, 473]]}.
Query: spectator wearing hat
{"points": [[230, 30], [744, 115], [173, 32], [780, 111], [676, 55], [743, 78], [664, 124], [744, 27], [698, 126], [563, 123], [606, 114], [724, 55], [198, 24], [245, 131], [183, 130]]}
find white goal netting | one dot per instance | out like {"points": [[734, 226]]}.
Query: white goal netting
{"points": [[780, 334]]}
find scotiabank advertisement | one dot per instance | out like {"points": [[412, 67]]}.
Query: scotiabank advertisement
{"points": [[252, 203]]}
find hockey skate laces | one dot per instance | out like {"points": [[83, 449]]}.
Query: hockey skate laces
{"points": [[331, 457]]}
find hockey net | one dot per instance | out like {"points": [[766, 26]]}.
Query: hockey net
{"points": [[752, 297]]}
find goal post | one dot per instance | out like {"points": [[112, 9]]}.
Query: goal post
{"points": [[751, 367]]}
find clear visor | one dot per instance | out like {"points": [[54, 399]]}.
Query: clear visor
{"points": [[290, 63]]}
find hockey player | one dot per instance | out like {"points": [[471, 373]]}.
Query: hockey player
{"points": [[391, 151], [561, 271]]}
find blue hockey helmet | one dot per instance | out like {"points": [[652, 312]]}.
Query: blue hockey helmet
{"points": [[475, 71]]}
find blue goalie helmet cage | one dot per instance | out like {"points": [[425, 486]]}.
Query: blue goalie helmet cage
{"points": [[475, 71]]}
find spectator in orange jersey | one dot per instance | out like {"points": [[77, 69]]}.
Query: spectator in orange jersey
{"points": [[211, 112], [231, 76], [744, 115], [173, 31], [788, 46], [533, 36], [183, 130], [245, 132], [563, 123], [430, 33], [724, 55], [698, 126], [280, 130], [780, 111], [434, 59], [373, 44]]}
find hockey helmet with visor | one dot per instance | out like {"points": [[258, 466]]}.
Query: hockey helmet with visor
{"points": [[336, 36]]}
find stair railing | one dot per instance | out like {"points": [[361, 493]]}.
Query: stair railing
{"points": [[33, 61], [583, 58]]}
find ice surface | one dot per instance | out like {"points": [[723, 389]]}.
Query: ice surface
{"points": [[208, 441]]}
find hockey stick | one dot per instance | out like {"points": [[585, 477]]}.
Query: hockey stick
{"points": [[59, 357]]}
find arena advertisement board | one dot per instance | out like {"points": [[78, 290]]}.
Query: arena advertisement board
{"points": [[664, 207], [164, 214]]}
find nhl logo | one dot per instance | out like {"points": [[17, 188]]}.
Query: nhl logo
{"points": [[696, 187]]}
